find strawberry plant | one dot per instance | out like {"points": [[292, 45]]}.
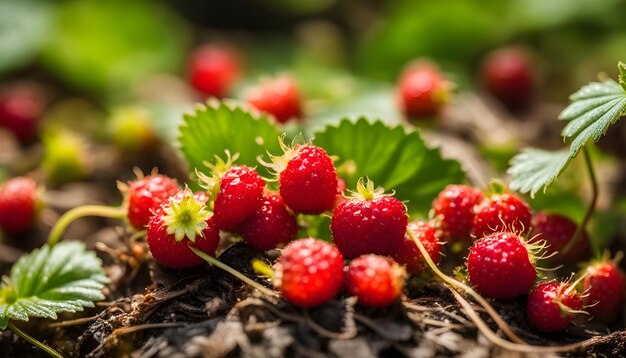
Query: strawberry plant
{"points": [[48, 281]]}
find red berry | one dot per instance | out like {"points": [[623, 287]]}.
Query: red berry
{"points": [[508, 76], [501, 212], [19, 201], [604, 289], [557, 231], [181, 222], [410, 256], [271, 225], [240, 195], [278, 97], [309, 272], [551, 306], [21, 107], [454, 211], [376, 281], [145, 195], [213, 70], [372, 223], [308, 180], [501, 266], [422, 90]]}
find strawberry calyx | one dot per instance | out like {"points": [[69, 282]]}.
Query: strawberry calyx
{"points": [[186, 218], [279, 162], [565, 291], [212, 182], [365, 189]]}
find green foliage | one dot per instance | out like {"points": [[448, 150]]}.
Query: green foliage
{"points": [[212, 129], [106, 46], [50, 280], [533, 169], [594, 108], [24, 26], [392, 157], [446, 30]]}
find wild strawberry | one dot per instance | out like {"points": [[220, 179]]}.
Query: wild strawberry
{"points": [[278, 97], [422, 90], [454, 211], [410, 256], [144, 195], [552, 306], [238, 192], [376, 281], [19, 203], [604, 288], [271, 225], [501, 266], [309, 272], [508, 75], [307, 178], [181, 222], [21, 107], [213, 70], [369, 223], [501, 212], [557, 231]]}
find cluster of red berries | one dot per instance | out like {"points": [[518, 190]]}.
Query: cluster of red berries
{"points": [[502, 264], [368, 227]]}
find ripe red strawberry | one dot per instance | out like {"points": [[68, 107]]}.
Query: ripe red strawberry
{"points": [[240, 195], [21, 107], [508, 75], [552, 306], [278, 97], [144, 195], [454, 211], [410, 256], [604, 288], [214, 69], [178, 223], [501, 212], [501, 266], [271, 225], [309, 272], [376, 281], [369, 223], [557, 231], [307, 178], [19, 203], [423, 90]]}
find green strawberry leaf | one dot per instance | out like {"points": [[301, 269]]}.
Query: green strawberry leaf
{"points": [[594, 108], [393, 157], [212, 129], [50, 280], [533, 169]]}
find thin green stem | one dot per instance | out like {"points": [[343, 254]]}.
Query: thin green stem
{"points": [[44, 347], [215, 262], [87, 210], [590, 210], [463, 287]]}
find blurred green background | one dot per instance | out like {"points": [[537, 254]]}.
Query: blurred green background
{"points": [[104, 48]]}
